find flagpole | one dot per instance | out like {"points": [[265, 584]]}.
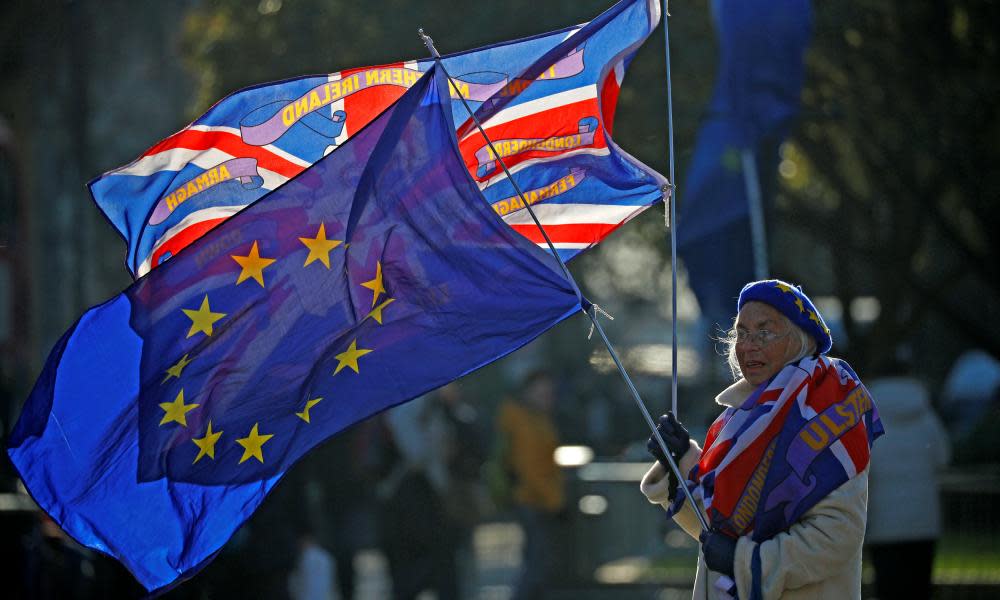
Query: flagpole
{"points": [[758, 234], [672, 222], [586, 306]]}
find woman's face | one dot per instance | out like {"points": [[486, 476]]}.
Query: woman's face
{"points": [[763, 344]]}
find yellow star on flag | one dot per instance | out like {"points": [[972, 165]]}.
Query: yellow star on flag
{"points": [[349, 357], [176, 411], [175, 370], [203, 318], [252, 266], [375, 285], [319, 247], [814, 317], [783, 287], [798, 302], [206, 445], [304, 415], [376, 312], [252, 444]]}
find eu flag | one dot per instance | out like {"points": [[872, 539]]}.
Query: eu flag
{"points": [[164, 416], [755, 101]]}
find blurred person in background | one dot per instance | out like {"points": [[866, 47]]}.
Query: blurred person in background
{"points": [[273, 534], [530, 435], [981, 445], [314, 576], [904, 510], [783, 476], [345, 466], [466, 496], [417, 536]]}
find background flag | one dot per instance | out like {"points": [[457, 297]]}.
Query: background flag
{"points": [[553, 127], [164, 416], [756, 97]]}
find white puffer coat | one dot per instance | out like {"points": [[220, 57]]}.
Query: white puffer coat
{"points": [[903, 502]]}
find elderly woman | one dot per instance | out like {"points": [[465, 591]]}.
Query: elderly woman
{"points": [[783, 476]]}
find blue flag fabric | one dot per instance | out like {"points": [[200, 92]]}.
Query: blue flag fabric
{"points": [[164, 416], [548, 101], [756, 98]]}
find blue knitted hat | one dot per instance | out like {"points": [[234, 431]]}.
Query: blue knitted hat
{"points": [[792, 302]]}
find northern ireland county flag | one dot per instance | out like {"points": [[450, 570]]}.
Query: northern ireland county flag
{"points": [[548, 103]]}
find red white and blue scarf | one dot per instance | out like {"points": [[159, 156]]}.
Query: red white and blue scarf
{"points": [[796, 438]]}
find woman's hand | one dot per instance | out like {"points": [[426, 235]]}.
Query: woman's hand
{"points": [[674, 435], [677, 440], [719, 551]]}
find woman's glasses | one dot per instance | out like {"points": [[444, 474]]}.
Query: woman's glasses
{"points": [[761, 337]]}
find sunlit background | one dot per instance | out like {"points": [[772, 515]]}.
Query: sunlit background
{"points": [[883, 204]]}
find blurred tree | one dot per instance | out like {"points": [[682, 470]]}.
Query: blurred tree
{"points": [[894, 174]]}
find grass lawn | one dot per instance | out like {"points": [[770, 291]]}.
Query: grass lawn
{"points": [[968, 559], [961, 559]]}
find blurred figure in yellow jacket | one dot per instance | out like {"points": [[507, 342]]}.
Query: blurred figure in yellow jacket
{"points": [[527, 428]]}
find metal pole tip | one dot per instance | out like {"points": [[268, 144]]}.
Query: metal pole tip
{"points": [[428, 42]]}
